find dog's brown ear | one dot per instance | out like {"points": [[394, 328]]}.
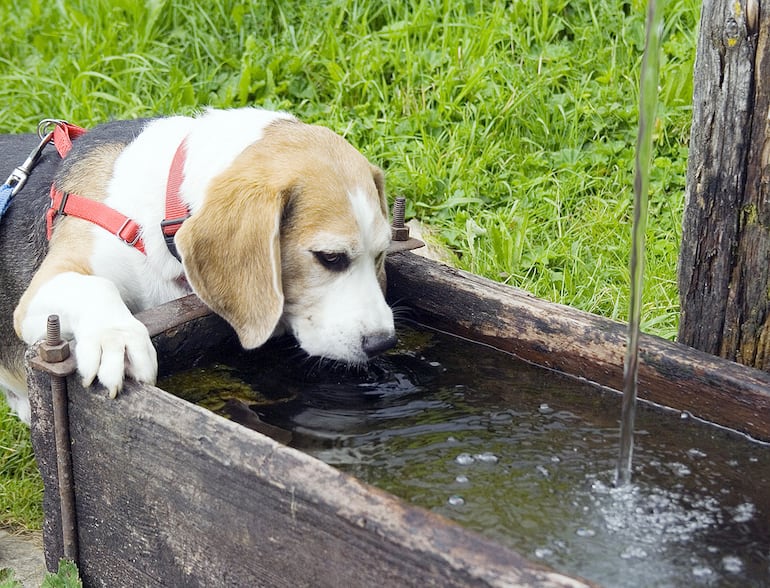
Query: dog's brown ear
{"points": [[379, 183], [230, 250]]}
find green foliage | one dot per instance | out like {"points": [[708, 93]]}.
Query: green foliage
{"points": [[508, 125], [67, 576], [21, 490]]}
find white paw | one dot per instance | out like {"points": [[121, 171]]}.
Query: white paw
{"points": [[111, 350]]}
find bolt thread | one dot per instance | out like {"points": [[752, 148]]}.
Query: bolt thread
{"points": [[399, 212], [53, 330]]}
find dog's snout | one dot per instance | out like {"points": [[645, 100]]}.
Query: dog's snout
{"points": [[377, 343]]}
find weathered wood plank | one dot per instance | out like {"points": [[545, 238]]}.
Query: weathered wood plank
{"points": [[581, 344]]}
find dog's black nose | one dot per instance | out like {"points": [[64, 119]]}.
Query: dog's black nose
{"points": [[377, 343]]}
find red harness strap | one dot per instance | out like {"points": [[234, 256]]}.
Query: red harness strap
{"points": [[96, 212], [63, 133], [176, 210], [124, 228]]}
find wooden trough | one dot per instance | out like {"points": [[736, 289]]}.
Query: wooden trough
{"points": [[170, 494]]}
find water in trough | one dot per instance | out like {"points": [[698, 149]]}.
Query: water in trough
{"points": [[519, 453]]}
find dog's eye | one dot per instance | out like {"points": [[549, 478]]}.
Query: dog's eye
{"points": [[332, 260]]}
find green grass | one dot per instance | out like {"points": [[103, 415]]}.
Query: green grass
{"points": [[509, 126], [21, 490]]}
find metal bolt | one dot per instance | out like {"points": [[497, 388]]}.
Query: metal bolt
{"points": [[54, 350], [399, 231]]}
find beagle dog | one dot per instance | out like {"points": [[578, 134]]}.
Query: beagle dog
{"points": [[285, 229]]}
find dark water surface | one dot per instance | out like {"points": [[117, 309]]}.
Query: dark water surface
{"points": [[518, 453]]}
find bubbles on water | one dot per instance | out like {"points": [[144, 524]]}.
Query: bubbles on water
{"points": [[679, 469], [653, 517], [634, 552], [545, 409], [543, 471], [744, 512], [486, 457], [455, 500], [585, 532], [702, 572], [461, 479], [732, 564], [696, 453], [464, 459], [543, 552]]}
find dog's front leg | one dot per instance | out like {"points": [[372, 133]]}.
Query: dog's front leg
{"points": [[110, 342]]}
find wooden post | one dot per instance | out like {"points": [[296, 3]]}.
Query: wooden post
{"points": [[724, 263]]}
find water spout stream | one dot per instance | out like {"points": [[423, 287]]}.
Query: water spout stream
{"points": [[648, 97]]}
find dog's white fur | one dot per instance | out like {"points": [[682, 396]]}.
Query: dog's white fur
{"points": [[272, 201]]}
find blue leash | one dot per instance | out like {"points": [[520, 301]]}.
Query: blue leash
{"points": [[18, 177]]}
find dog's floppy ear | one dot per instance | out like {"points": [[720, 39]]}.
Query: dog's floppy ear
{"points": [[379, 182], [231, 253]]}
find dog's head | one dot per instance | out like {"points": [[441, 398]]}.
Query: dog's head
{"points": [[294, 234]]}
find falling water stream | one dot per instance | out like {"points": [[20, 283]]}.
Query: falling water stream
{"points": [[647, 105]]}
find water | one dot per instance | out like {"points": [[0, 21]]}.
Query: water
{"points": [[520, 454], [648, 93]]}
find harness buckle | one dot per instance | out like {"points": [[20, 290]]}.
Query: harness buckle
{"points": [[169, 227], [131, 242]]}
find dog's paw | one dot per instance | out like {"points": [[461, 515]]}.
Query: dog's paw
{"points": [[112, 350]]}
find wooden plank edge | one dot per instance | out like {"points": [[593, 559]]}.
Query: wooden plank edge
{"points": [[579, 343]]}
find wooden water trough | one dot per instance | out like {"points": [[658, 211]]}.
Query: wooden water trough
{"points": [[169, 494]]}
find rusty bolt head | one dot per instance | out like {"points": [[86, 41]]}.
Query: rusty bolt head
{"points": [[399, 233], [54, 353]]}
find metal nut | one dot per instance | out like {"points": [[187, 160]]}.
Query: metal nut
{"points": [[54, 353], [399, 233]]}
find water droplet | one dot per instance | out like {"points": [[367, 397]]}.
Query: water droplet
{"points": [[464, 459], [434, 363], [451, 439], [461, 479], [633, 552], [679, 469], [456, 500], [542, 552], [555, 459], [702, 572], [486, 457], [753, 459], [743, 512], [585, 532], [732, 564], [545, 409]]}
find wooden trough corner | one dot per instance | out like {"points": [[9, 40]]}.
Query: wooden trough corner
{"points": [[170, 494]]}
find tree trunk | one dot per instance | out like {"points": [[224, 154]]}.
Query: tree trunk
{"points": [[724, 263]]}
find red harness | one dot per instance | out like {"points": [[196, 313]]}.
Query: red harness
{"points": [[124, 228]]}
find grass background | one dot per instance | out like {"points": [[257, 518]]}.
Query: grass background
{"points": [[509, 126]]}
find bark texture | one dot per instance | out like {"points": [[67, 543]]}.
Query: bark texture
{"points": [[724, 281]]}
